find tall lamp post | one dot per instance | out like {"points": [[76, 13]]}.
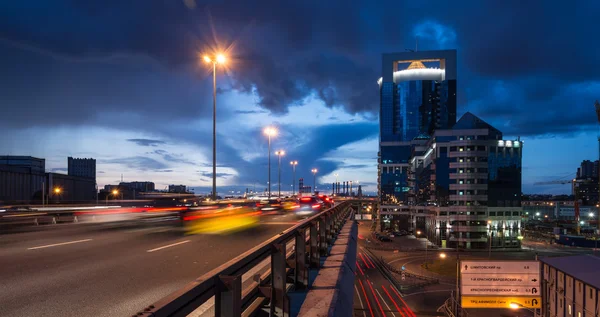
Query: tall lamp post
{"points": [[218, 59], [279, 153], [294, 163], [314, 171], [336, 187], [270, 131]]}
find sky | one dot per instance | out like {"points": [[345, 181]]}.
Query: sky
{"points": [[123, 82]]}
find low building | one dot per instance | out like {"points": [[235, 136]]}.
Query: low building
{"points": [[571, 286], [70, 189], [177, 189], [21, 185]]}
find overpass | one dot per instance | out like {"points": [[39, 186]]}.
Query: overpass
{"points": [[153, 269]]}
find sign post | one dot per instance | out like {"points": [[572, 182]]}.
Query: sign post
{"points": [[500, 284]]}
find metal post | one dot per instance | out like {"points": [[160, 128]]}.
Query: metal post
{"points": [[269, 165], [279, 176], [214, 180], [279, 301], [294, 183], [44, 193], [300, 272], [228, 299], [314, 247], [323, 236], [490, 247], [314, 182]]}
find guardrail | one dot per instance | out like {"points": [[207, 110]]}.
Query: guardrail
{"points": [[311, 240]]}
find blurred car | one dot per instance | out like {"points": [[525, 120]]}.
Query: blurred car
{"points": [[308, 206], [328, 201], [290, 204], [218, 220], [270, 206]]}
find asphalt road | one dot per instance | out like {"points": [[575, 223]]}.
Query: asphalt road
{"points": [[111, 269]]}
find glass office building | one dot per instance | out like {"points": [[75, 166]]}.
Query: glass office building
{"points": [[417, 96]]}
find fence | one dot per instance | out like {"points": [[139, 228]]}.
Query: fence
{"points": [[309, 239]]}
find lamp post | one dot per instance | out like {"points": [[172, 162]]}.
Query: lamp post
{"points": [[218, 59], [270, 131], [336, 184], [294, 163], [279, 153], [490, 238], [314, 171]]}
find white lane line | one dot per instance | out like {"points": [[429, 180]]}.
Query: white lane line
{"points": [[58, 244], [386, 304], [168, 246], [362, 306]]}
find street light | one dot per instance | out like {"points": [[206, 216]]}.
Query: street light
{"points": [[270, 132], [294, 163], [490, 238], [218, 59], [443, 255], [314, 171], [279, 153], [57, 191]]}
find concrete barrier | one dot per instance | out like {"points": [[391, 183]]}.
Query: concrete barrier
{"points": [[332, 293]]}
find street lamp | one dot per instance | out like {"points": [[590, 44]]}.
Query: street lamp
{"points": [[336, 183], [314, 171], [218, 59], [57, 191], [442, 255], [490, 238], [294, 163], [270, 132], [279, 153]]}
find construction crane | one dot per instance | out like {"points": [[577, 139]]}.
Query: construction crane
{"points": [[575, 192], [559, 182]]}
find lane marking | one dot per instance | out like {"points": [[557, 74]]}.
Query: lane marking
{"points": [[362, 306], [168, 246], [58, 244], [386, 304]]}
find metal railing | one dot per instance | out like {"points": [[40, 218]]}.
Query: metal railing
{"points": [[288, 269]]}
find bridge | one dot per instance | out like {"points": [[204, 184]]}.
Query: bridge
{"points": [[149, 266]]}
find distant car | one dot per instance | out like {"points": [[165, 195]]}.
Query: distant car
{"points": [[384, 239], [308, 205], [270, 206], [327, 200]]}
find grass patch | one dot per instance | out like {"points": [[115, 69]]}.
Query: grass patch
{"points": [[441, 267]]}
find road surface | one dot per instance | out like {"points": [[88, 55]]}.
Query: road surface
{"points": [[111, 269]]}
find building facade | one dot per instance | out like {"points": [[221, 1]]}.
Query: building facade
{"points": [[177, 189], [22, 179], [570, 286], [417, 96], [465, 188], [82, 167], [141, 186], [70, 189]]}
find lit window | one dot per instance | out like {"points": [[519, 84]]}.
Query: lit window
{"points": [[578, 314], [460, 149], [570, 312]]}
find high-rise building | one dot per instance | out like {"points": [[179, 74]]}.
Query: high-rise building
{"points": [[466, 189], [82, 167], [417, 96]]}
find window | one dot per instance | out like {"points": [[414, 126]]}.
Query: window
{"points": [[492, 214], [560, 303], [579, 287], [461, 192], [591, 294], [515, 213], [460, 149], [570, 312]]}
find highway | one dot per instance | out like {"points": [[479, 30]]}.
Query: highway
{"points": [[111, 269]]}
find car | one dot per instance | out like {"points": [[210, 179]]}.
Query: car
{"points": [[269, 206], [384, 239], [308, 205], [328, 201]]}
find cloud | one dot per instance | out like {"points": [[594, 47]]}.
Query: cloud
{"points": [[59, 169], [139, 163], [219, 175], [146, 142], [249, 111]]}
